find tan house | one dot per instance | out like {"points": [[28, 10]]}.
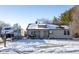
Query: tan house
{"points": [[47, 31]]}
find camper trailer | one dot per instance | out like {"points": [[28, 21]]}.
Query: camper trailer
{"points": [[10, 32]]}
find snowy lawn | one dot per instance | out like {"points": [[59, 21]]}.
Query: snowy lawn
{"points": [[40, 46]]}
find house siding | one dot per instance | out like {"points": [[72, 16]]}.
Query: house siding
{"points": [[45, 33], [60, 34]]}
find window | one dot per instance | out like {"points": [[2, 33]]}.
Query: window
{"points": [[7, 28], [66, 32], [42, 26], [33, 33], [15, 30]]}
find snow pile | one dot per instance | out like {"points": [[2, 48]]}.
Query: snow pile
{"points": [[41, 46]]}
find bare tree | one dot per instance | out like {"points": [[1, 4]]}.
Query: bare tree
{"points": [[17, 29]]}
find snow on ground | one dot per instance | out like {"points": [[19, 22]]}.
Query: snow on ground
{"points": [[36, 46]]}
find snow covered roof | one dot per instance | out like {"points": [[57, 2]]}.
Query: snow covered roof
{"points": [[48, 26]]}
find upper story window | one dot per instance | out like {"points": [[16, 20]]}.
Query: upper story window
{"points": [[60, 27], [42, 26]]}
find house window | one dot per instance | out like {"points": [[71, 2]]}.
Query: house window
{"points": [[66, 32], [33, 33], [15, 30]]}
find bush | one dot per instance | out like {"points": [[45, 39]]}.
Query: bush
{"points": [[76, 35]]}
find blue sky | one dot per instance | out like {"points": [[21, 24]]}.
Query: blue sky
{"points": [[25, 14]]}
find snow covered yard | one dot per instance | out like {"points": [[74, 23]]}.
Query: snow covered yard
{"points": [[27, 46]]}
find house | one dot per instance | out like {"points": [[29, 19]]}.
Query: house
{"points": [[47, 31]]}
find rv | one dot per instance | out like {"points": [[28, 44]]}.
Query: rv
{"points": [[10, 32]]}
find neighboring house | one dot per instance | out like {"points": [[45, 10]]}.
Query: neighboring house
{"points": [[47, 31]]}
